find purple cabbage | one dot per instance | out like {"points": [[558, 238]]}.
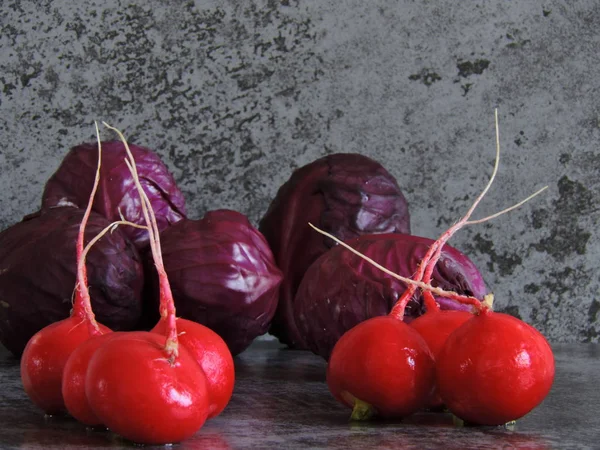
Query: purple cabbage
{"points": [[72, 184], [347, 195], [38, 267], [341, 290], [222, 275]]}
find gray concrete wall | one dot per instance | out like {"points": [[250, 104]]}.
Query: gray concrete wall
{"points": [[235, 95]]}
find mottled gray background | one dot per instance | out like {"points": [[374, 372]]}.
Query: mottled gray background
{"points": [[236, 94]]}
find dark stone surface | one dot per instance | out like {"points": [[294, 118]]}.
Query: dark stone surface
{"points": [[281, 401]]}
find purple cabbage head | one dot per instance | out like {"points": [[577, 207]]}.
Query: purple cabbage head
{"points": [[38, 267], [222, 275], [347, 195], [72, 184], [341, 290]]}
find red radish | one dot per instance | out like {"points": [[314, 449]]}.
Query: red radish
{"points": [[44, 359], [75, 366], [46, 353], [435, 327], [364, 363], [494, 369], [383, 367], [146, 387], [143, 393], [213, 355], [73, 381]]}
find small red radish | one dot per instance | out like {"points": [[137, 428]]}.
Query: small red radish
{"points": [[494, 369], [74, 376], [369, 364], [46, 353], [381, 367], [213, 355], [45, 357], [75, 366], [144, 394], [435, 327], [145, 386]]}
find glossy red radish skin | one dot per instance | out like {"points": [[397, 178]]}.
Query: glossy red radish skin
{"points": [[139, 394], [494, 369], [385, 365], [435, 327], [213, 355], [73, 379], [44, 359], [145, 386]]}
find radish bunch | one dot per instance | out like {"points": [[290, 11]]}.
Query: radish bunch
{"points": [[149, 387], [487, 368], [47, 352]]}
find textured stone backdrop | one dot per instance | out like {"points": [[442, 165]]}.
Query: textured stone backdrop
{"points": [[236, 94]]}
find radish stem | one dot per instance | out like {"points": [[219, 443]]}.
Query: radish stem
{"points": [[422, 277], [504, 211], [409, 281], [87, 305], [82, 305], [435, 251], [167, 305]]}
